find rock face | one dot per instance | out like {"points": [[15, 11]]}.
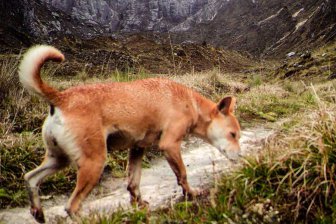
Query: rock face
{"points": [[264, 27], [131, 15], [12, 27], [25, 22], [260, 27]]}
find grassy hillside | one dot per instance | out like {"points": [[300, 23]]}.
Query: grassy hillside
{"points": [[292, 180]]}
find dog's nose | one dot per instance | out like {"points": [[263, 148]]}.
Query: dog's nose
{"points": [[233, 156]]}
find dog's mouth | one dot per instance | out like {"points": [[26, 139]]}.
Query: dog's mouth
{"points": [[232, 156]]}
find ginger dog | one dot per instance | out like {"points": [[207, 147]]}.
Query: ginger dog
{"points": [[86, 120]]}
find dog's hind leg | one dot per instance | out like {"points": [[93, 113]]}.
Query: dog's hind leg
{"points": [[49, 166], [134, 175], [90, 166]]}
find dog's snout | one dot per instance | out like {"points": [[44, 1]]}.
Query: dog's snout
{"points": [[232, 153], [233, 156]]}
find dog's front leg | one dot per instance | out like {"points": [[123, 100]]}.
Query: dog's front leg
{"points": [[170, 143], [134, 175], [176, 163]]}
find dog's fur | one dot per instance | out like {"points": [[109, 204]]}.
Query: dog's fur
{"points": [[151, 112]]}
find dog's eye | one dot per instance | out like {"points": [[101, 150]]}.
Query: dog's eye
{"points": [[233, 134]]}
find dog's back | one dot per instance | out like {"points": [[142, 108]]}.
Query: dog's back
{"points": [[137, 109]]}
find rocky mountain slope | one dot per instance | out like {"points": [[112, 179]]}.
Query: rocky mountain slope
{"points": [[260, 27], [266, 27], [131, 15]]}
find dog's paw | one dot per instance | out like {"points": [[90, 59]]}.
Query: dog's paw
{"points": [[74, 216], [139, 203], [37, 213], [194, 193], [142, 204], [197, 191]]}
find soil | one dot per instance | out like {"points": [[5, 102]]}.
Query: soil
{"points": [[141, 53]]}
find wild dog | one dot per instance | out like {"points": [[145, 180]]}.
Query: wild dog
{"points": [[84, 121]]}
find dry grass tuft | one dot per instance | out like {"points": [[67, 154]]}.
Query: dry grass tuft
{"points": [[9, 81], [213, 84]]}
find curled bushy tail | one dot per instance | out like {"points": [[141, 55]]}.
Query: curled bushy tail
{"points": [[29, 71]]}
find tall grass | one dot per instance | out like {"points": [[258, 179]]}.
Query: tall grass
{"points": [[296, 174], [9, 89], [9, 81], [213, 84], [19, 111]]}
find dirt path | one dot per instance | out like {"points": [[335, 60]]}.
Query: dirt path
{"points": [[158, 183]]}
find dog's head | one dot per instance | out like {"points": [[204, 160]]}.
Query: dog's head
{"points": [[223, 131]]}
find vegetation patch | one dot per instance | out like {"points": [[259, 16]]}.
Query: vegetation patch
{"points": [[315, 66], [293, 181]]}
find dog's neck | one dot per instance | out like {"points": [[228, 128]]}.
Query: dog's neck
{"points": [[204, 108]]}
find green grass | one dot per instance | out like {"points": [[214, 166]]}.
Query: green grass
{"points": [[296, 173], [137, 216], [272, 102]]}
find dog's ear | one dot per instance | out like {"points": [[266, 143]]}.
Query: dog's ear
{"points": [[227, 105]]}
